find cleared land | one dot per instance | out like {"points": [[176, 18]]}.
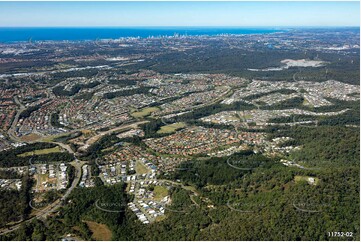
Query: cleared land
{"points": [[52, 137], [171, 128], [160, 192], [140, 168], [95, 138], [144, 112], [41, 152], [303, 63], [100, 231], [88, 133], [306, 103], [43, 178], [305, 178], [30, 137]]}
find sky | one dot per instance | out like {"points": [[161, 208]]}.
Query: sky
{"points": [[124, 14]]}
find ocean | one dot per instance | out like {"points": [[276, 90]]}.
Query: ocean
{"points": [[8, 34]]}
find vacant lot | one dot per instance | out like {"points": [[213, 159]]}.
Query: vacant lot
{"points": [[41, 152], [144, 112], [171, 128], [140, 168], [100, 231], [30, 137], [160, 192], [44, 178]]}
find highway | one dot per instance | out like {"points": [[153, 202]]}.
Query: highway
{"points": [[93, 139], [11, 131]]}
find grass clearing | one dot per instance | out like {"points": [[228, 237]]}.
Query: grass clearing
{"points": [[144, 112], [190, 188], [160, 192], [247, 116], [140, 168], [41, 152], [43, 178], [306, 103], [171, 128], [52, 137], [100, 231], [160, 218], [306, 179]]}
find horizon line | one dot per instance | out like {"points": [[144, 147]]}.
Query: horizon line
{"points": [[195, 26]]}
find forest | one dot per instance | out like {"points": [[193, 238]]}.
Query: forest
{"points": [[265, 202], [127, 92], [60, 90], [54, 120], [213, 59], [14, 204], [27, 112]]}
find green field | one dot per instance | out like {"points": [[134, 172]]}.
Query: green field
{"points": [[52, 137], [41, 152], [140, 168], [144, 112], [160, 192], [171, 128], [248, 116]]}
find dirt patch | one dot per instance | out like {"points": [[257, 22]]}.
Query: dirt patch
{"points": [[30, 137], [100, 231], [302, 63]]}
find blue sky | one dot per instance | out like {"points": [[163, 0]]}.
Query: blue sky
{"points": [[75, 14]]}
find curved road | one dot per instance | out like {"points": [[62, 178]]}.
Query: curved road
{"points": [[55, 205], [76, 163], [11, 130]]}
